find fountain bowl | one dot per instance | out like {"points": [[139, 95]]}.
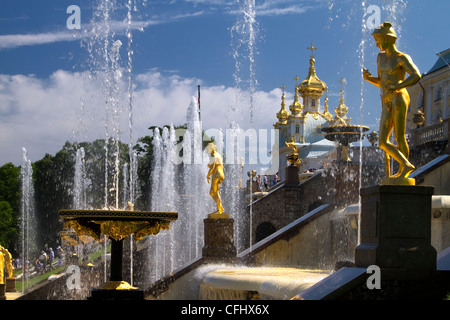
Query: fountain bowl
{"points": [[117, 224], [344, 134]]}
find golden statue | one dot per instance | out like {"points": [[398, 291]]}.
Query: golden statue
{"points": [[216, 171], [392, 68], [2, 268], [5, 262], [293, 158]]}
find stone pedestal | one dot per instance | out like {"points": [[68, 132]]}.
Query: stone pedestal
{"points": [[346, 175], [292, 175], [219, 237], [396, 228], [116, 288], [11, 284], [2, 291]]}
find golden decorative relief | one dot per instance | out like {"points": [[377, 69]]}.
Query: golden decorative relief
{"points": [[117, 230], [116, 224]]}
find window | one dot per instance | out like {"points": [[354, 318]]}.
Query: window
{"points": [[420, 100], [437, 115], [297, 129], [313, 102], [438, 95]]}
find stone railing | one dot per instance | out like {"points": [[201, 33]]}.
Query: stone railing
{"points": [[435, 132]]}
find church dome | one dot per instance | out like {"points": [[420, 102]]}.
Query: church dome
{"points": [[312, 83], [296, 107], [283, 114]]}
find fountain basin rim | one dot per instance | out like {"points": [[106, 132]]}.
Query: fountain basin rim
{"points": [[346, 129], [104, 214]]}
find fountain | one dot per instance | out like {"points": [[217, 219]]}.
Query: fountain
{"points": [[117, 225], [342, 131], [182, 189]]}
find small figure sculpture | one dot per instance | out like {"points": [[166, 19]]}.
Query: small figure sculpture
{"points": [[216, 172], [392, 68], [293, 157]]}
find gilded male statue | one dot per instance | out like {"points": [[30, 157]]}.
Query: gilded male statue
{"points": [[216, 172], [393, 66]]}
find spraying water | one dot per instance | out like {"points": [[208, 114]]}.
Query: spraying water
{"points": [[243, 43], [181, 188], [106, 67], [79, 194], [243, 34]]}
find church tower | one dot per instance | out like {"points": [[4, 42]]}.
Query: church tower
{"points": [[303, 122], [312, 89]]}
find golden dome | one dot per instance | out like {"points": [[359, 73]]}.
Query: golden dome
{"points": [[341, 111], [326, 114], [296, 107], [312, 82], [283, 114]]}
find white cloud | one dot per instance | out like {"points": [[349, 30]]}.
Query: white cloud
{"points": [[10, 41], [279, 8], [266, 8], [18, 40], [42, 114]]}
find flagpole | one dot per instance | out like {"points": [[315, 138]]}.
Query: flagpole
{"points": [[199, 113]]}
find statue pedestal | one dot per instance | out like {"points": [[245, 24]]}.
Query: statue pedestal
{"points": [[219, 237], [2, 291], [292, 175], [11, 284], [396, 228]]}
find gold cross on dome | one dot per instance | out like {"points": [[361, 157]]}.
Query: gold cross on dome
{"points": [[296, 80], [312, 48], [343, 82], [283, 87]]}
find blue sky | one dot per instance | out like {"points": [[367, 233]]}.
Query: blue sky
{"points": [[46, 97]]}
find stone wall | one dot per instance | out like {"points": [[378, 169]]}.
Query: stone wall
{"points": [[58, 289], [288, 203]]}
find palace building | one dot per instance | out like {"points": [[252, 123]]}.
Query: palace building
{"points": [[429, 112]]}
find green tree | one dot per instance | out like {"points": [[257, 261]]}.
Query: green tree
{"points": [[10, 207], [8, 231], [53, 180]]}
